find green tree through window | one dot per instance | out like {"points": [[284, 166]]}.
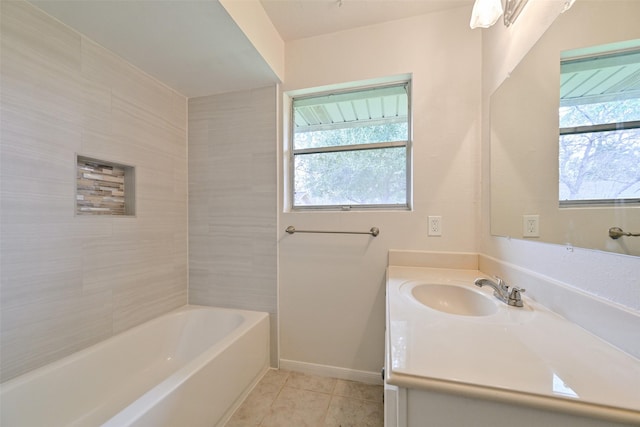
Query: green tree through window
{"points": [[602, 164]]}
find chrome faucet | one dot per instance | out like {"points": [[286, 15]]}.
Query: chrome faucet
{"points": [[510, 295]]}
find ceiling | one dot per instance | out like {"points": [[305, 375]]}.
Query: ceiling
{"points": [[194, 47], [296, 19]]}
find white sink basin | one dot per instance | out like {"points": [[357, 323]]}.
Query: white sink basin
{"points": [[443, 335], [454, 299]]}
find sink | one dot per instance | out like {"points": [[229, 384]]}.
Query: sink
{"points": [[454, 299]]}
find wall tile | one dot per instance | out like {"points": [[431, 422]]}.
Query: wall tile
{"points": [[42, 331], [232, 202], [129, 83], [70, 281], [40, 39]]}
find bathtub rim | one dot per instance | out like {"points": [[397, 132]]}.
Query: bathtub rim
{"points": [[250, 320], [11, 383], [139, 407]]}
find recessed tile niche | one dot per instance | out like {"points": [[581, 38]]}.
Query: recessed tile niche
{"points": [[104, 188]]}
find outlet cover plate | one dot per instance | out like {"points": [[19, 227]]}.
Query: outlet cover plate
{"points": [[530, 225], [434, 226]]}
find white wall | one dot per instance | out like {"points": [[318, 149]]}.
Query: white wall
{"points": [[232, 202], [613, 277], [70, 281], [250, 16], [331, 287]]}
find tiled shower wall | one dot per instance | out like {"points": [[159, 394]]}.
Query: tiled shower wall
{"points": [[70, 281], [232, 202]]}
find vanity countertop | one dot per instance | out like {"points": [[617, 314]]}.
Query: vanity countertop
{"points": [[529, 356]]}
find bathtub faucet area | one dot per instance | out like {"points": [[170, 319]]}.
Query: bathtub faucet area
{"points": [[511, 295]]}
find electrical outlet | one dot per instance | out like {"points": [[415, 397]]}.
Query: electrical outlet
{"points": [[530, 225], [435, 226]]}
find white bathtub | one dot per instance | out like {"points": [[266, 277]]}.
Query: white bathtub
{"points": [[190, 367]]}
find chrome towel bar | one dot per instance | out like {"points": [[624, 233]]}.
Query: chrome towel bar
{"points": [[616, 233], [374, 231]]}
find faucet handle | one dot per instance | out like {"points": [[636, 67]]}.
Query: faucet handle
{"points": [[515, 297], [516, 290], [501, 283]]}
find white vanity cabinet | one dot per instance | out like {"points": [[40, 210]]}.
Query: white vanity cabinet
{"points": [[509, 366], [422, 408]]}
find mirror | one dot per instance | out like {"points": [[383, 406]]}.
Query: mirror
{"points": [[525, 138]]}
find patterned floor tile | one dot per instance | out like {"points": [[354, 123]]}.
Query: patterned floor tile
{"points": [[293, 399]]}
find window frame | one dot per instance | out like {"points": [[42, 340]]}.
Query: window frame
{"points": [[352, 148]]}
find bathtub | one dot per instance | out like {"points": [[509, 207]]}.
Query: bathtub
{"points": [[190, 367]]}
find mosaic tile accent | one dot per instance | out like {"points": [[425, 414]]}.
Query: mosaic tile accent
{"points": [[100, 188]]}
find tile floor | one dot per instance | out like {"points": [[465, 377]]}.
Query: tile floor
{"points": [[292, 399]]}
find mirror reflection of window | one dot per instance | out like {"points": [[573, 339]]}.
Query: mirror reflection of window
{"points": [[599, 147]]}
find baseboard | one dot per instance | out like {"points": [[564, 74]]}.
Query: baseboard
{"points": [[331, 371]]}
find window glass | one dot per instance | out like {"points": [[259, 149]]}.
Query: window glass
{"points": [[351, 149], [599, 148], [600, 165], [362, 134], [351, 178]]}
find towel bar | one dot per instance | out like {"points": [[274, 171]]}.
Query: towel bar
{"points": [[616, 233], [374, 231]]}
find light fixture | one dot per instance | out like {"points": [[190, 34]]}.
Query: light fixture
{"points": [[487, 12], [567, 5], [512, 9]]}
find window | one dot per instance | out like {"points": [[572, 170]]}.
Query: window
{"points": [[599, 150], [351, 149]]}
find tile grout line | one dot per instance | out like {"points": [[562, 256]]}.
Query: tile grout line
{"points": [[331, 396], [334, 394], [282, 386]]}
